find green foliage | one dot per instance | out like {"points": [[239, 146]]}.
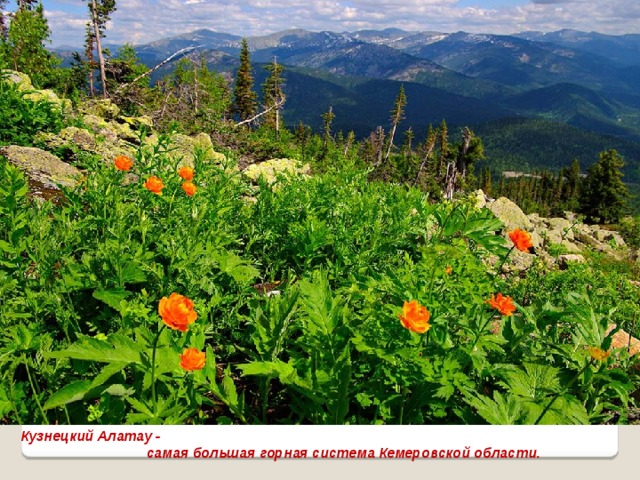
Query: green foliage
{"points": [[629, 228], [128, 88], [24, 48], [604, 196], [21, 118], [193, 97]]}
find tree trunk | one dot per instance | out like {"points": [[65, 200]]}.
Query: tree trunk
{"points": [[96, 28]]}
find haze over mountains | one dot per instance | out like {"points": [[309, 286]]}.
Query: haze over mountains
{"points": [[586, 80]]}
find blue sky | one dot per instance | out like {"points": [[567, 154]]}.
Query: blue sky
{"points": [[142, 21]]}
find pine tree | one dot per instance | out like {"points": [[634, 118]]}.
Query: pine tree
{"points": [[100, 13], [244, 98], [604, 196], [273, 96], [89, 49]]}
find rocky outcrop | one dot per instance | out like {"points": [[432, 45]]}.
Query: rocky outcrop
{"points": [[510, 214], [556, 240], [183, 149], [41, 167], [70, 142]]}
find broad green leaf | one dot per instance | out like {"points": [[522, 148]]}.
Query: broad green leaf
{"points": [[229, 388], [502, 410], [71, 393], [107, 372], [111, 297], [240, 270], [116, 348], [133, 273]]}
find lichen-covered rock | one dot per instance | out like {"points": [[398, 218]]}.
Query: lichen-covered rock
{"points": [[138, 122], [565, 260], [570, 247], [69, 138], [42, 166], [510, 214], [561, 227], [183, 149], [22, 80], [32, 94], [479, 199], [604, 235], [110, 129], [103, 108], [270, 170], [536, 220], [74, 140]]}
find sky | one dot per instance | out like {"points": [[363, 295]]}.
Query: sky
{"points": [[143, 21]]}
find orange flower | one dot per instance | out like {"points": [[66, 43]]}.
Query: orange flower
{"points": [[599, 354], [448, 270], [154, 184], [521, 240], [124, 163], [192, 359], [186, 173], [189, 188], [177, 312], [415, 317], [503, 304]]}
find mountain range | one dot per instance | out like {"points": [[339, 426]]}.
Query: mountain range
{"points": [[589, 81]]}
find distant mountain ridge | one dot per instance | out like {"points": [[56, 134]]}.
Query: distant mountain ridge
{"points": [[587, 80]]}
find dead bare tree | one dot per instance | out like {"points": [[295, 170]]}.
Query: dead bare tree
{"points": [[264, 112], [151, 70]]}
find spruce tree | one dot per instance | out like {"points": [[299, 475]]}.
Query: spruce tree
{"points": [[604, 196], [244, 98]]}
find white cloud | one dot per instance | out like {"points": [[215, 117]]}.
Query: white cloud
{"points": [[260, 17]]}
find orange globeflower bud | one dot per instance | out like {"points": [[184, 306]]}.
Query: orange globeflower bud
{"points": [[521, 240], [192, 359], [415, 317], [503, 304], [124, 163], [189, 188], [599, 354], [154, 184], [177, 312], [186, 173]]}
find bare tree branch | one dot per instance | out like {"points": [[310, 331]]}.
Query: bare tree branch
{"points": [[249, 120], [151, 70]]}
